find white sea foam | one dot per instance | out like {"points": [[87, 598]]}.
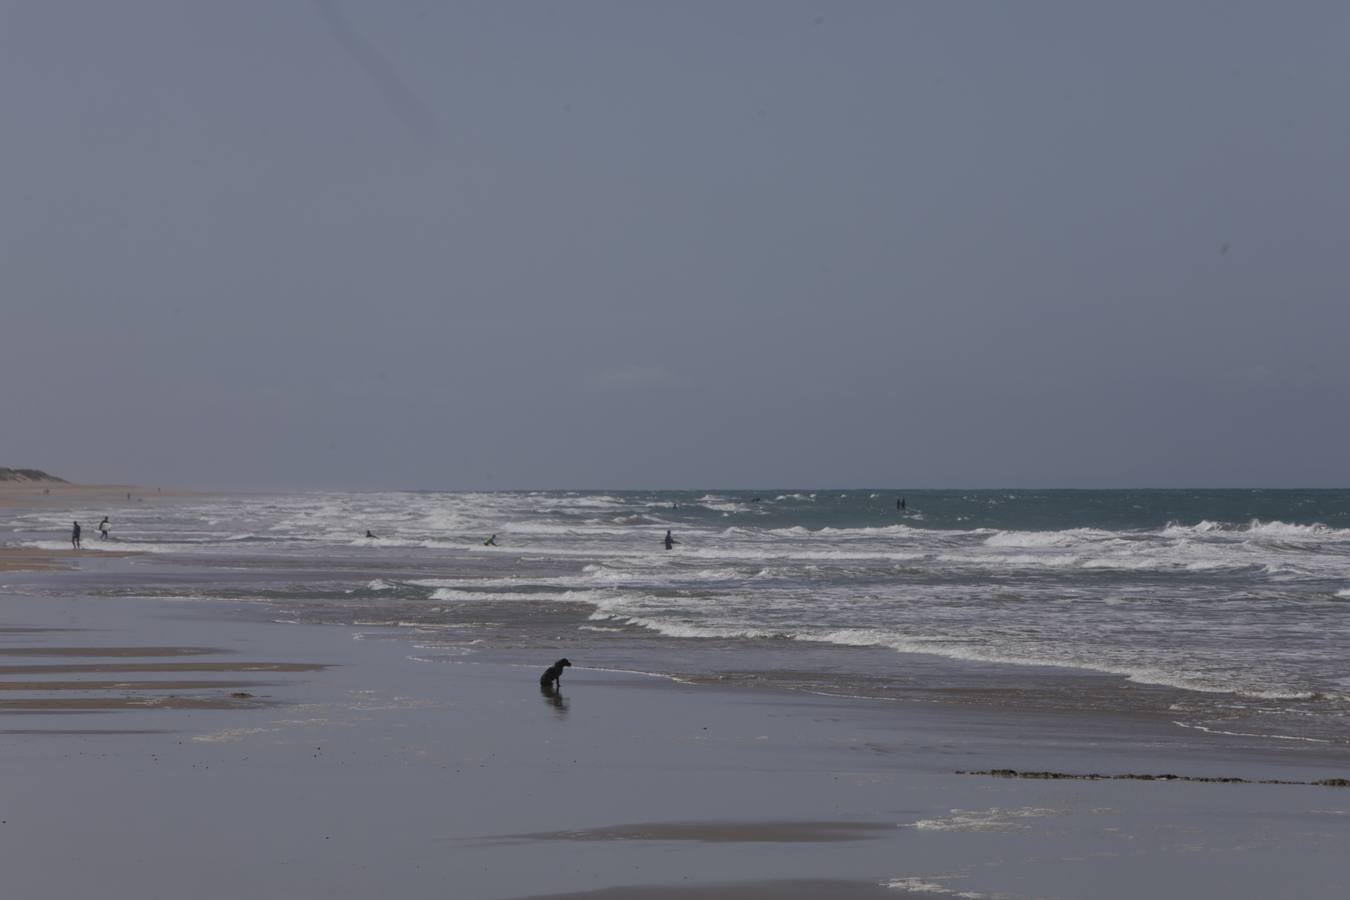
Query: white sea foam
{"points": [[994, 819], [1278, 737], [460, 596], [1012, 560], [930, 884], [722, 504], [1031, 539], [1287, 530], [685, 629], [1257, 528]]}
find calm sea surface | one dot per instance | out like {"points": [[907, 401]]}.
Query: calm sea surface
{"points": [[1226, 610]]}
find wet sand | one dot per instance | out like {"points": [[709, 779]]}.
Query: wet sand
{"points": [[142, 667], [39, 494], [49, 647], [805, 889], [362, 765], [24, 559], [721, 832]]}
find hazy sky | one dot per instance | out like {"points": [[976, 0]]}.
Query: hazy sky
{"points": [[424, 244]]}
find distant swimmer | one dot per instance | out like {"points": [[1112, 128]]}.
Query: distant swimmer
{"points": [[670, 541], [368, 533], [103, 529], [900, 504], [490, 542], [75, 536]]}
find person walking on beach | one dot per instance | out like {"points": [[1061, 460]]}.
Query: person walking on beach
{"points": [[103, 529], [670, 541], [75, 536]]}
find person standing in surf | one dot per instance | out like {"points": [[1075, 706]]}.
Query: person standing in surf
{"points": [[670, 541], [75, 536]]}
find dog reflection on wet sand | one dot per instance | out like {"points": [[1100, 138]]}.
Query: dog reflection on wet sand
{"points": [[553, 697]]}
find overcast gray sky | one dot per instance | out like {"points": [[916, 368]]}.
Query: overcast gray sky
{"points": [[422, 244]]}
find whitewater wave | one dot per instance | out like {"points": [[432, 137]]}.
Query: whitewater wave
{"points": [[1258, 529], [1033, 539], [567, 596]]}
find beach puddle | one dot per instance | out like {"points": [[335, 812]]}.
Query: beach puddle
{"points": [[721, 832], [107, 652]]}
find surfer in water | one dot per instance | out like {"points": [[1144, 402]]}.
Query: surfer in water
{"points": [[900, 504], [490, 542], [670, 541], [368, 534]]}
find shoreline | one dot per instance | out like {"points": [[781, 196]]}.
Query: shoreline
{"points": [[363, 769], [33, 559], [41, 494], [47, 495], [214, 718]]}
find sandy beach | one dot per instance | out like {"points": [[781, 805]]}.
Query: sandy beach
{"points": [[163, 734], [247, 758], [63, 495]]}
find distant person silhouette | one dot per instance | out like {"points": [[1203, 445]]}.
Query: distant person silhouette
{"points": [[670, 541], [900, 504], [75, 536], [103, 529], [368, 534], [490, 542]]}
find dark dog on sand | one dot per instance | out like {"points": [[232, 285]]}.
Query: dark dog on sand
{"points": [[552, 676]]}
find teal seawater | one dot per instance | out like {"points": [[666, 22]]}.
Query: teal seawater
{"points": [[1018, 510]]}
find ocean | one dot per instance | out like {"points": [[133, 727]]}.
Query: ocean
{"points": [[1226, 611]]}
